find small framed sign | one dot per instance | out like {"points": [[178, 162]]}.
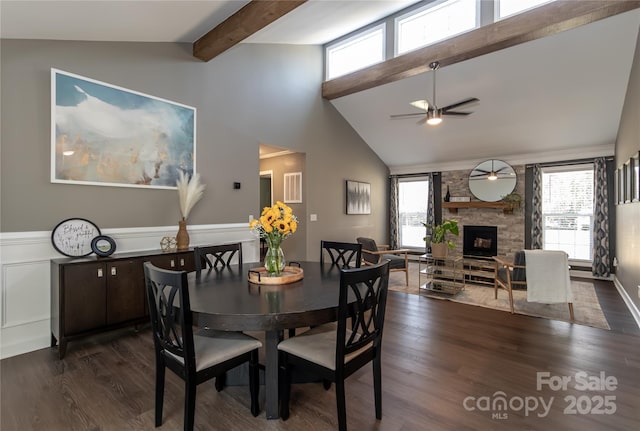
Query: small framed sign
{"points": [[72, 237], [103, 245]]}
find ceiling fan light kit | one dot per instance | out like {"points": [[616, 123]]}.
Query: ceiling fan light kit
{"points": [[433, 118], [434, 114]]}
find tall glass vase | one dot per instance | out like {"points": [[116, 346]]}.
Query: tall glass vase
{"points": [[274, 259]]}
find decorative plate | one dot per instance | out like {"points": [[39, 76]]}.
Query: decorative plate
{"points": [[72, 237], [103, 245]]}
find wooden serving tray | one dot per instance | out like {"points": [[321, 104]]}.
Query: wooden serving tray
{"points": [[288, 275]]}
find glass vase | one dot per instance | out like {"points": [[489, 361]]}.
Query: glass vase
{"points": [[274, 259]]}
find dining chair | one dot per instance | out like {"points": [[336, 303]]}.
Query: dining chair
{"points": [[212, 256], [373, 253], [194, 357], [334, 352], [342, 254]]}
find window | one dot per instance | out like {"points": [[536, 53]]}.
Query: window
{"points": [[357, 52], [567, 210], [413, 199], [430, 24], [507, 8]]}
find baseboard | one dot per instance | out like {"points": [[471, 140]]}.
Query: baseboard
{"points": [[627, 300]]}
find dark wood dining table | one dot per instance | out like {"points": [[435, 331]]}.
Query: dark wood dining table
{"points": [[226, 300]]}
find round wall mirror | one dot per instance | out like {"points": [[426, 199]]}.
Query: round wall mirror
{"points": [[491, 180]]}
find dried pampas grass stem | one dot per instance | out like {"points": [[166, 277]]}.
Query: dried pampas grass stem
{"points": [[189, 191]]}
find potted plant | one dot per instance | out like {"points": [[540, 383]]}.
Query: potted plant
{"points": [[440, 245], [513, 199]]}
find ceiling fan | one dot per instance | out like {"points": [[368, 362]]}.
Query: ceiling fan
{"points": [[493, 174], [432, 114]]}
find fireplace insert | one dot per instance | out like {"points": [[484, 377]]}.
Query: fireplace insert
{"points": [[480, 241]]}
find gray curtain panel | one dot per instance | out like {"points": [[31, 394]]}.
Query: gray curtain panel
{"points": [[430, 205], [536, 209], [393, 212], [600, 265]]}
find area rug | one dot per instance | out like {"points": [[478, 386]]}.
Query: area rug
{"points": [[586, 307]]}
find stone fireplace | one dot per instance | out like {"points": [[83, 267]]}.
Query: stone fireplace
{"points": [[510, 227]]}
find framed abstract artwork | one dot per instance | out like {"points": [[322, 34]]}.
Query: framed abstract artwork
{"points": [[106, 135], [358, 197]]}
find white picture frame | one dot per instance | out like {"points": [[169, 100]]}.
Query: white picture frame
{"points": [[106, 135]]}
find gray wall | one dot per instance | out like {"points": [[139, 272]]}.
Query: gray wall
{"points": [[247, 95], [628, 215]]}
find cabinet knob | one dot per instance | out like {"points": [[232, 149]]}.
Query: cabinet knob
{"points": [[181, 262], [173, 263], [99, 272], [113, 270]]}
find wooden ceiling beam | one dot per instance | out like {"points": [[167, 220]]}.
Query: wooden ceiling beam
{"points": [[540, 22], [253, 17]]}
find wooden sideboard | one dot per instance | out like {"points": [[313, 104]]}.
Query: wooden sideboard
{"points": [[94, 294]]}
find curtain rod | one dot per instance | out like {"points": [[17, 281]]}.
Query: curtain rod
{"points": [[567, 162], [414, 175]]}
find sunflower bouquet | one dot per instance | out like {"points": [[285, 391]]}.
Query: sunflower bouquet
{"points": [[275, 224]]}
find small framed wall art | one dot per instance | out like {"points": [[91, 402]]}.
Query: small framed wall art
{"points": [[103, 245], [358, 197]]}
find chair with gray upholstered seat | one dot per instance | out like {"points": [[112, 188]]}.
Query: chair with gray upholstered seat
{"points": [[334, 352], [342, 254], [195, 358], [373, 254], [217, 256]]}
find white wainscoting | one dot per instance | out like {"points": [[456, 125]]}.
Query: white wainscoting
{"points": [[25, 274]]}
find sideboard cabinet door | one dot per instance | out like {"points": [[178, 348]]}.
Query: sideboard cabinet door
{"points": [[125, 290], [84, 297]]}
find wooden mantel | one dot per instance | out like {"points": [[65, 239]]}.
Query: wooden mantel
{"points": [[454, 206]]}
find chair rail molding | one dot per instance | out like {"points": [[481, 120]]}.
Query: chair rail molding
{"points": [[25, 275]]}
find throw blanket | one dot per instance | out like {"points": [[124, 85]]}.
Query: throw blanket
{"points": [[548, 276]]}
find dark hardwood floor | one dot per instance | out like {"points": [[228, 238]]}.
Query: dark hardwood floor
{"points": [[444, 366]]}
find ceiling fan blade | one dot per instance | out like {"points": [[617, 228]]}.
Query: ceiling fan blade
{"points": [[460, 103], [454, 113], [422, 121], [420, 104], [400, 116]]}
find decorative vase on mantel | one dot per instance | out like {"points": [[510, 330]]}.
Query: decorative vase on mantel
{"points": [[447, 197], [182, 238], [274, 259]]}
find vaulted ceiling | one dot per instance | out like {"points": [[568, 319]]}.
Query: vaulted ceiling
{"points": [[550, 98]]}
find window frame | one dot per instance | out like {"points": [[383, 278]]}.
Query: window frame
{"points": [[352, 39], [425, 10], [412, 179], [496, 11], [564, 169]]}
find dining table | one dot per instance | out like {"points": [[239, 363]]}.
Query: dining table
{"points": [[226, 300]]}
